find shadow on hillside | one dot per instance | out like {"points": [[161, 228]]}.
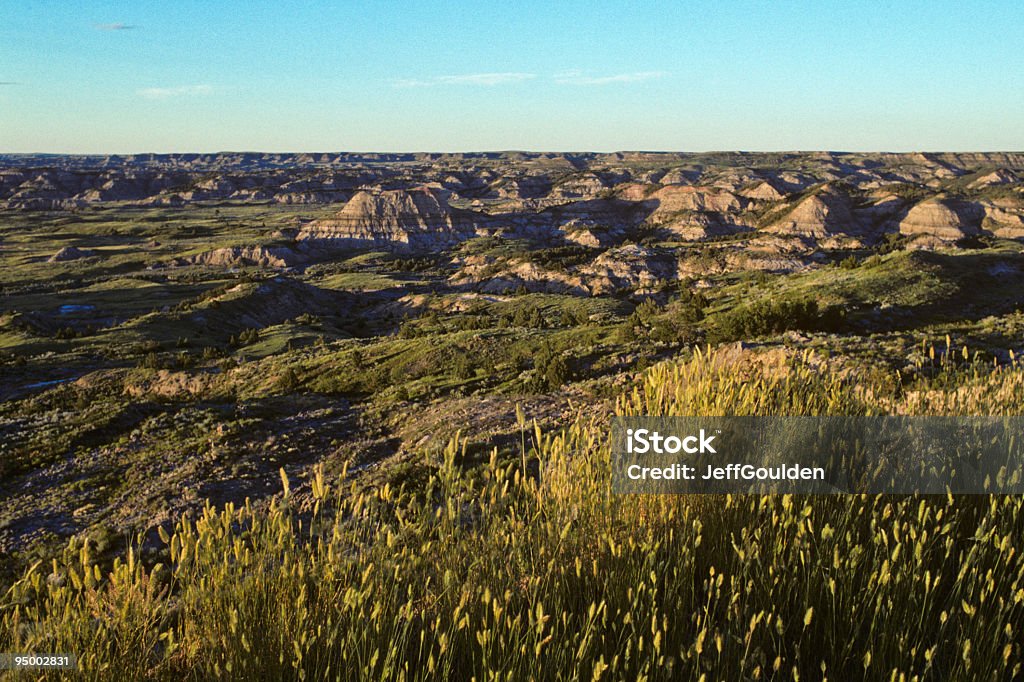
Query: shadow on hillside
{"points": [[985, 284]]}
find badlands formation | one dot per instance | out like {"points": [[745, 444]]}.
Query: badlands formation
{"points": [[762, 204]]}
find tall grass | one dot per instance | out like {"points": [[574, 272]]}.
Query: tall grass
{"points": [[486, 574]]}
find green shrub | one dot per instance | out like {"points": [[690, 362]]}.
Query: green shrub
{"points": [[551, 370], [773, 316], [676, 322], [463, 367], [892, 241], [245, 338], [408, 330], [151, 361], [287, 381]]}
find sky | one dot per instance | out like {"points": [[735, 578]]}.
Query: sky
{"points": [[554, 75]]}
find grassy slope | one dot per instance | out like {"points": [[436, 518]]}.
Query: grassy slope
{"points": [[484, 573]]}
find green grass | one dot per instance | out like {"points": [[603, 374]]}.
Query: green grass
{"points": [[912, 289], [360, 280]]}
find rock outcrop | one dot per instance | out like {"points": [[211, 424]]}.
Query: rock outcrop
{"points": [[1004, 219], [1000, 176], [763, 191], [517, 180], [674, 199], [943, 219], [487, 274], [69, 253], [629, 266], [689, 212], [820, 215], [413, 219], [241, 256], [583, 186], [803, 203], [702, 225], [591, 233]]}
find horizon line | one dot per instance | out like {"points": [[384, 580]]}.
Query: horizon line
{"points": [[527, 151]]}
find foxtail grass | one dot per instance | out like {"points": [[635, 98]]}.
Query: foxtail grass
{"points": [[489, 574]]}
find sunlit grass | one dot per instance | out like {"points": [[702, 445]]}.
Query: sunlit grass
{"points": [[485, 573]]}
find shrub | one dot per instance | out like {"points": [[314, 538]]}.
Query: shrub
{"points": [[675, 323], [245, 337], [688, 305], [307, 319], [151, 361], [625, 333], [531, 318], [287, 381], [462, 366], [773, 316], [408, 330], [892, 241], [551, 371]]}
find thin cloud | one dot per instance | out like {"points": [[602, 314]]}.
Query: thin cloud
{"points": [[571, 77], [480, 79], [8, 83], [411, 83], [576, 77], [114, 27], [486, 78], [179, 91]]}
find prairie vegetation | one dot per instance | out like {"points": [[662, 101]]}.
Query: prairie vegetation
{"points": [[496, 571]]}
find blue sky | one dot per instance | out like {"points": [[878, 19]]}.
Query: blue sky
{"points": [[120, 77]]}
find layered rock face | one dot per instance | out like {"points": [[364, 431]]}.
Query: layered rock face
{"points": [[820, 215], [1005, 219], [414, 219], [942, 219], [763, 191], [486, 275], [1000, 176], [674, 199], [695, 212], [241, 256], [618, 268]]}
